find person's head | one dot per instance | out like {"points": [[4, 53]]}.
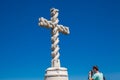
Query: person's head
{"points": [[95, 69]]}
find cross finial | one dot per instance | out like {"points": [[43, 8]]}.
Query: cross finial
{"points": [[53, 24], [54, 15]]}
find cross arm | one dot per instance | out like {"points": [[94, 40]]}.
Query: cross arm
{"points": [[63, 29], [44, 22], [48, 24]]}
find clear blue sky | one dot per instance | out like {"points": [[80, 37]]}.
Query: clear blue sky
{"points": [[94, 39]]}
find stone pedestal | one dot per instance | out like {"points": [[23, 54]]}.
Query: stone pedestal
{"points": [[56, 73]]}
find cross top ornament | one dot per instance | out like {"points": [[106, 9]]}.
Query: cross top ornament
{"points": [[55, 28]]}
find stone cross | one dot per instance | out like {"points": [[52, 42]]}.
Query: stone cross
{"points": [[53, 24]]}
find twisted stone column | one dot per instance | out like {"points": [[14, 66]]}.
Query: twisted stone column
{"points": [[55, 72], [53, 24], [55, 40]]}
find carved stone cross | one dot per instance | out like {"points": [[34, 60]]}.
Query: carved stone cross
{"points": [[53, 24]]}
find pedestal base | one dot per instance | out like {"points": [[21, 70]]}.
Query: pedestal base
{"points": [[56, 73]]}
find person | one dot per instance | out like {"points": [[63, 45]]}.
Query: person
{"points": [[95, 74]]}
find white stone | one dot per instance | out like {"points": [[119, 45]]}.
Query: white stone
{"points": [[55, 72]]}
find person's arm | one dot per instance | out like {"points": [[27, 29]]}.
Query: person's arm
{"points": [[91, 79], [90, 75]]}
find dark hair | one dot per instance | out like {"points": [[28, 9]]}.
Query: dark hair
{"points": [[95, 67]]}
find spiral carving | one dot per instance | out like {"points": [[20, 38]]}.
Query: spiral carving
{"points": [[54, 38], [55, 33]]}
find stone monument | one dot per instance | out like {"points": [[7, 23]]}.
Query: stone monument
{"points": [[55, 72]]}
